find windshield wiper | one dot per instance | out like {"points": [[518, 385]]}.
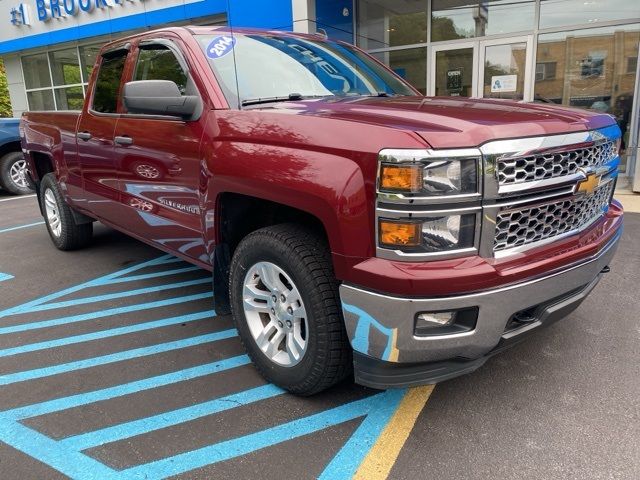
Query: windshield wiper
{"points": [[290, 97]]}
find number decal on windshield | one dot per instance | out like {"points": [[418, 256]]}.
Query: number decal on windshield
{"points": [[220, 46]]}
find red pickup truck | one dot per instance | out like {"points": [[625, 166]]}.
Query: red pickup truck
{"points": [[349, 222]]}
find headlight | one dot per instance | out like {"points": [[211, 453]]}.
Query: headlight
{"points": [[428, 235], [452, 232], [419, 173]]}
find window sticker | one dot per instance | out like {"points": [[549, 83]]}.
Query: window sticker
{"points": [[220, 46], [504, 83]]}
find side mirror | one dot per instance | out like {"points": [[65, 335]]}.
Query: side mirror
{"points": [[159, 97]]}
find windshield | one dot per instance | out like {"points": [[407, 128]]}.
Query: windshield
{"points": [[279, 67]]}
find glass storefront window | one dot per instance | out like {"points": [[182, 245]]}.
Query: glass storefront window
{"points": [[69, 69], [453, 19], [558, 13], [410, 64], [65, 68], [36, 71], [590, 69], [391, 23], [40, 100], [71, 98]]}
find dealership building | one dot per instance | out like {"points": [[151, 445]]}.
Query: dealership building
{"points": [[582, 53]]}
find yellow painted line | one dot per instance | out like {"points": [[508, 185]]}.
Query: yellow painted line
{"points": [[384, 453]]}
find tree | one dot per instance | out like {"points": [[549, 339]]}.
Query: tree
{"points": [[5, 101]]}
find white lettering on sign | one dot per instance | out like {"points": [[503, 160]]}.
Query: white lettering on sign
{"points": [[504, 83], [220, 46], [21, 15], [48, 9]]}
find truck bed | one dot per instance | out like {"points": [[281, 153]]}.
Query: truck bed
{"points": [[50, 133]]}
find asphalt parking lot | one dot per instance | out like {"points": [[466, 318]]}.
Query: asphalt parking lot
{"points": [[114, 365]]}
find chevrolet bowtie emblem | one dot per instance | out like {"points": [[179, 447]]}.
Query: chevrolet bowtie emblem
{"points": [[588, 185]]}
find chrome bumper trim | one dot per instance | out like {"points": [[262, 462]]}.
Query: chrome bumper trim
{"points": [[382, 326]]}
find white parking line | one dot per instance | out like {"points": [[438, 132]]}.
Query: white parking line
{"points": [[22, 197]]}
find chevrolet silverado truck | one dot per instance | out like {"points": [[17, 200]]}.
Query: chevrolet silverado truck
{"points": [[350, 224], [13, 166]]}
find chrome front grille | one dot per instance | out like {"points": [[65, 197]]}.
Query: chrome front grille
{"points": [[520, 226], [530, 168]]}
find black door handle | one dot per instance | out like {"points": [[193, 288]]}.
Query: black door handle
{"points": [[123, 140], [83, 136]]}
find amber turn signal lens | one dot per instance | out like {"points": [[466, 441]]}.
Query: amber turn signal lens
{"points": [[401, 178], [399, 234]]}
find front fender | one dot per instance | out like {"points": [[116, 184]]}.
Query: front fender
{"points": [[329, 187]]}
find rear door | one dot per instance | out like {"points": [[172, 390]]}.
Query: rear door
{"points": [[159, 158], [95, 134]]}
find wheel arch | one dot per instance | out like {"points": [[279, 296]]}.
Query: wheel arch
{"points": [[238, 215], [10, 147]]}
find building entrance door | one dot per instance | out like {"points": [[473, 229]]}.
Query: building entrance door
{"points": [[499, 68]]}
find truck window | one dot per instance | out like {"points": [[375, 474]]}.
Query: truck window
{"points": [[157, 62], [105, 98]]}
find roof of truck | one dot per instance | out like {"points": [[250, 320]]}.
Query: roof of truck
{"points": [[204, 30]]}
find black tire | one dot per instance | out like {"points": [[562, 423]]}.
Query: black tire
{"points": [[71, 236], [7, 162], [305, 258]]}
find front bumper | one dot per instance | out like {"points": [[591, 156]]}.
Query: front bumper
{"points": [[388, 354]]}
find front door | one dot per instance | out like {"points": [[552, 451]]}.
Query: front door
{"points": [[483, 68], [454, 70]]}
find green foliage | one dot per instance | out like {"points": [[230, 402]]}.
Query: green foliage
{"points": [[444, 29], [408, 29], [71, 73], [5, 101]]}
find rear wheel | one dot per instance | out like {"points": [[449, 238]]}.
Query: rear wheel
{"points": [[64, 232], [286, 307], [13, 174]]}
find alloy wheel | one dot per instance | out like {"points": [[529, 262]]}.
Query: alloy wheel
{"points": [[18, 172], [53, 212], [275, 314]]}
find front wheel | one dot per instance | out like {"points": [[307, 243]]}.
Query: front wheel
{"points": [[63, 230], [286, 306], [13, 174]]}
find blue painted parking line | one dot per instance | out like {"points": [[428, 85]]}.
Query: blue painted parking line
{"points": [[168, 419], [5, 276], [65, 403], [19, 227], [350, 456], [67, 455], [102, 313], [146, 276], [105, 279], [226, 450], [112, 296], [115, 357], [138, 327], [74, 464]]}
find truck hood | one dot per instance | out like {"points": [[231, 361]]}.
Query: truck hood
{"points": [[445, 122]]}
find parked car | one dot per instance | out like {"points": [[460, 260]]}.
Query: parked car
{"points": [[13, 176], [350, 223]]}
